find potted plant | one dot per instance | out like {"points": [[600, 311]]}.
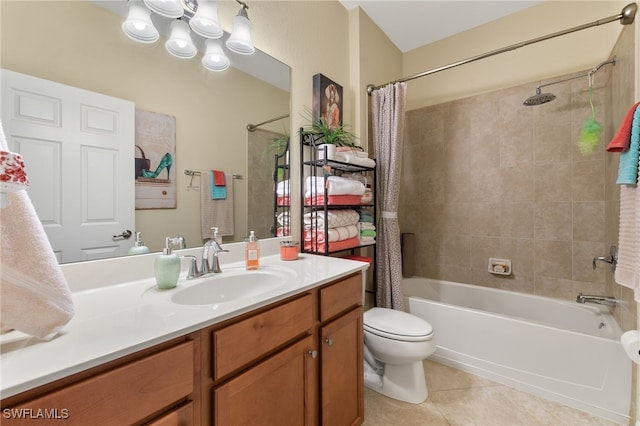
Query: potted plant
{"points": [[329, 137]]}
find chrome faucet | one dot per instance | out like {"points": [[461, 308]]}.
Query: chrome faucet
{"points": [[599, 300], [205, 266]]}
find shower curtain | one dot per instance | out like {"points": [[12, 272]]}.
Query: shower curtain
{"points": [[388, 116]]}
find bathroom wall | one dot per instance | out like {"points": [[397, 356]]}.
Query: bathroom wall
{"points": [[486, 176]]}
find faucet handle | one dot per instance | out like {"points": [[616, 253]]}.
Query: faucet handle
{"points": [[217, 248], [612, 259], [193, 267]]}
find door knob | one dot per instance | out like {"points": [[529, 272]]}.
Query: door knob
{"points": [[125, 235]]}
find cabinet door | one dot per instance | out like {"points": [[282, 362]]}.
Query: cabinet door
{"points": [[341, 370], [276, 392]]}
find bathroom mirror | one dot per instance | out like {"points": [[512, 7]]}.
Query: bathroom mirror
{"points": [[81, 44]]}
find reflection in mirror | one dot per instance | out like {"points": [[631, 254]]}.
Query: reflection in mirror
{"points": [[81, 44]]}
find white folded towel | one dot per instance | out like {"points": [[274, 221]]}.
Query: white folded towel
{"points": [[355, 159], [36, 299], [282, 188], [335, 218], [336, 185], [333, 234]]}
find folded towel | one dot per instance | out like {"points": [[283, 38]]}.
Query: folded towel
{"points": [[366, 218], [367, 240], [367, 233], [282, 188], [333, 200], [622, 139], [284, 218], [218, 178], [335, 218], [218, 212], [355, 159], [333, 234], [36, 301], [218, 192], [367, 225], [333, 246], [628, 167], [336, 185]]}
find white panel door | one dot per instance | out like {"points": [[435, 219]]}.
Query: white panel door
{"points": [[78, 147]]}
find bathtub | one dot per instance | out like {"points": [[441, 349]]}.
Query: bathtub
{"points": [[560, 350]]}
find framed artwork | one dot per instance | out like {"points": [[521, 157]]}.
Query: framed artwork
{"points": [[155, 159], [327, 101]]}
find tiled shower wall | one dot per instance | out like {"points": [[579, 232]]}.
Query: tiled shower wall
{"points": [[487, 177]]}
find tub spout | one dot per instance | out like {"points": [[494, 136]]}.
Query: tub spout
{"points": [[600, 300]]}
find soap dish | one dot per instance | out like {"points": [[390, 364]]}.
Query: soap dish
{"points": [[499, 266]]}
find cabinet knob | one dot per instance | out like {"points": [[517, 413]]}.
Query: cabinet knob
{"points": [[329, 342], [314, 354]]}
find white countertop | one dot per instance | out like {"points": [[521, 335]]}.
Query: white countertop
{"points": [[116, 320]]}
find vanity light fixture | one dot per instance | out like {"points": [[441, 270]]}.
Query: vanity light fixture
{"points": [[180, 44], [240, 40], [197, 16], [138, 25], [214, 58]]}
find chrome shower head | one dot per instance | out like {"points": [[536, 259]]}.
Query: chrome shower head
{"points": [[539, 98]]}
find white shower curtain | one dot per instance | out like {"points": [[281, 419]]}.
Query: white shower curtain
{"points": [[388, 116]]}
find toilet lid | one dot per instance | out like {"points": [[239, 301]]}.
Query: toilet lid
{"points": [[397, 325]]}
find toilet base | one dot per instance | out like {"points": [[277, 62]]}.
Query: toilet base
{"points": [[404, 382]]}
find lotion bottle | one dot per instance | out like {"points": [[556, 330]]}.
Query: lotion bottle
{"points": [[167, 267], [252, 252], [138, 245]]}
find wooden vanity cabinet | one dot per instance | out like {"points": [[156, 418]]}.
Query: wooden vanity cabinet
{"points": [[295, 362], [153, 386]]}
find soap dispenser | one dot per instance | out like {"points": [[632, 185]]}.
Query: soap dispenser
{"points": [[138, 246], [252, 252], [216, 236], [167, 267]]}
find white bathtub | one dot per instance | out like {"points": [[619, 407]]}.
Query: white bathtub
{"points": [[560, 350]]}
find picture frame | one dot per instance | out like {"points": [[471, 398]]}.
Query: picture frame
{"points": [[327, 101], [155, 179]]}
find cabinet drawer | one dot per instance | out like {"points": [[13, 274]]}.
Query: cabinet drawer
{"points": [[181, 416], [340, 296], [124, 395], [240, 343]]}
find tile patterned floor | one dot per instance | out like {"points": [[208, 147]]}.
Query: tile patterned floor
{"points": [[460, 398]]}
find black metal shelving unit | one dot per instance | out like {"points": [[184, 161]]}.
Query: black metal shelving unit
{"points": [[315, 164]]}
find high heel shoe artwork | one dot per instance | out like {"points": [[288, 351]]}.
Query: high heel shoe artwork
{"points": [[166, 161]]}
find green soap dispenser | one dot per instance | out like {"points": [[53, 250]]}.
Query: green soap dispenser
{"points": [[167, 267], [138, 245]]}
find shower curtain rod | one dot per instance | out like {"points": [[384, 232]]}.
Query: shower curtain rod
{"points": [[253, 127], [626, 17]]}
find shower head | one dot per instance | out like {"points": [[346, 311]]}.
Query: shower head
{"points": [[539, 98]]}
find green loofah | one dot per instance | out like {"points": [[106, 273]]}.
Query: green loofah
{"points": [[590, 136], [591, 129]]}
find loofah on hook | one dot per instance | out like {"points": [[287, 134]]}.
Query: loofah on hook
{"points": [[589, 136]]}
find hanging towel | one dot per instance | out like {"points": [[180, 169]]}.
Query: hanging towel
{"points": [[628, 167], [622, 139], [628, 268], [218, 212], [35, 300], [217, 183]]}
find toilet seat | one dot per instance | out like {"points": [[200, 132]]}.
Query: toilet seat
{"points": [[397, 325]]}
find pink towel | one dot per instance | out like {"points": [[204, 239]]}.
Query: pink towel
{"points": [[622, 139], [36, 299]]}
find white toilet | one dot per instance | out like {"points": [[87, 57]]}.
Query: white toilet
{"points": [[395, 344]]}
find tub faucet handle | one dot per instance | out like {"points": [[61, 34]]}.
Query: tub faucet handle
{"points": [[612, 259]]}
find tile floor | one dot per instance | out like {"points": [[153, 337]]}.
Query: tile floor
{"points": [[460, 398]]}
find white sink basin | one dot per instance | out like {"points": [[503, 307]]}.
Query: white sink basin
{"points": [[232, 285]]}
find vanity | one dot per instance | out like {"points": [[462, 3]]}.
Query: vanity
{"points": [[286, 355]]}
